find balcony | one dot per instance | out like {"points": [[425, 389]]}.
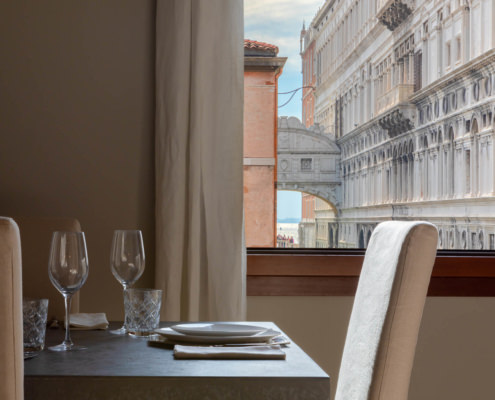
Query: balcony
{"points": [[392, 13], [398, 94]]}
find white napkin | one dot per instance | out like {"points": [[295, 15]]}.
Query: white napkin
{"points": [[85, 321], [264, 352]]}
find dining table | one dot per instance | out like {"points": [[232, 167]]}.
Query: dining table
{"points": [[126, 367]]}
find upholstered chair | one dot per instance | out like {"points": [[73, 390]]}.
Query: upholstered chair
{"points": [[11, 343], [386, 315], [36, 236]]}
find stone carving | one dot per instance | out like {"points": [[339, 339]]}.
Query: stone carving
{"points": [[393, 13], [395, 123]]}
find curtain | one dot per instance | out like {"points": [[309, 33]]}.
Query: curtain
{"points": [[200, 253]]}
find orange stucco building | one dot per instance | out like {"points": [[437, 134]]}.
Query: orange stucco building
{"points": [[262, 68]]}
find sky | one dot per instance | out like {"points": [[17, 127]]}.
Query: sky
{"points": [[279, 22]]}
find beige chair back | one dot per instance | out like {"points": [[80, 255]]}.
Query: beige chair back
{"points": [[36, 236], [386, 315], [11, 343]]}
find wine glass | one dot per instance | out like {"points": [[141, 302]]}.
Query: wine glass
{"points": [[68, 270], [127, 261]]}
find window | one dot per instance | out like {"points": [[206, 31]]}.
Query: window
{"points": [[400, 176], [306, 164]]}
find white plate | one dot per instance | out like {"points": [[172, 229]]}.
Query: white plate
{"points": [[218, 329], [175, 336]]}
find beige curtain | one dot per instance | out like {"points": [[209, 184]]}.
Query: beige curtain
{"points": [[200, 260]]}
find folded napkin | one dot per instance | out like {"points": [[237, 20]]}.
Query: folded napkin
{"points": [[264, 352], [84, 321]]}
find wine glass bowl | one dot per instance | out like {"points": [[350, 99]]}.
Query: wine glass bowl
{"points": [[68, 270], [127, 260]]}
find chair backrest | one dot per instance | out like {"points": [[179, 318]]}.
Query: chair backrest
{"points": [[11, 343], [386, 315], [36, 236]]}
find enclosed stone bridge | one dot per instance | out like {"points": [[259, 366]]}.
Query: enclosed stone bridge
{"points": [[308, 161]]}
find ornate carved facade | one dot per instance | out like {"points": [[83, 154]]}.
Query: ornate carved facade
{"points": [[410, 97]]}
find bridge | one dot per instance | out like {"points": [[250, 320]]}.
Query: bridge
{"points": [[308, 161]]}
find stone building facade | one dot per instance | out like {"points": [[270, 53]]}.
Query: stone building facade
{"points": [[407, 87]]}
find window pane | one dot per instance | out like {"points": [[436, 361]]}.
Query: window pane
{"points": [[393, 126]]}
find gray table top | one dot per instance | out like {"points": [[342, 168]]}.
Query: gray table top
{"points": [[123, 357]]}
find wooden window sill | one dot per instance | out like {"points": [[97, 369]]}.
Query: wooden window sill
{"points": [[335, 272]]}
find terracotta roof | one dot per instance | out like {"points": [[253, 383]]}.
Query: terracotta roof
{"points": [[257, 49]]}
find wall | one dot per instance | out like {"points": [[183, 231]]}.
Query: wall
{"points": [[76, 125], [76, 139], [454, 356], [260, 118]]}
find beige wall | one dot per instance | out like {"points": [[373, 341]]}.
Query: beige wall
{"points": [[76, 139], [76, 124], [455, 356]]}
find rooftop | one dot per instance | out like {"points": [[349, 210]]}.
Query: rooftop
{"points": [[253, 48]]}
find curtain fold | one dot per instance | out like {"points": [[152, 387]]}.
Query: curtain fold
{"points": [[200, 254]]}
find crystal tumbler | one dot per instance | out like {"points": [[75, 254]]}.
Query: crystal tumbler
{"points": [[142, 310], [34, 313]]}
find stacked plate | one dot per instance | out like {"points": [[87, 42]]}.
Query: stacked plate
{"points": [[217, 333]]}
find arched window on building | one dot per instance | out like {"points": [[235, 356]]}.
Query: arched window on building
{"points": [[361, 243]]}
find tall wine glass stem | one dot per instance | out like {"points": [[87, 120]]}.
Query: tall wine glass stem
{"points": [[123, 329], [68, 300], [124, 326]]}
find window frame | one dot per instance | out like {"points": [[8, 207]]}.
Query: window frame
{"points": [[335, 272]]}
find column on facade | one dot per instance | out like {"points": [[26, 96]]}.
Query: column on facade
{"points": [[392, 181], [487, 171], [344, 190], [439, 164], [365, 187], [424, 175], [491, 164], [351, 190], [405, 182], [380, 184], [452, 169], [364, 178], [482, 167], [362, 106], [440, 70], [474, 164], [434, 172], [343, 116], [467, 171], [466, 39], [447, 169], [457, 171], [424, 61], [411, 68], [356, 109], [411, 178], [401, 72], [400, 179], [416, 179]]}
